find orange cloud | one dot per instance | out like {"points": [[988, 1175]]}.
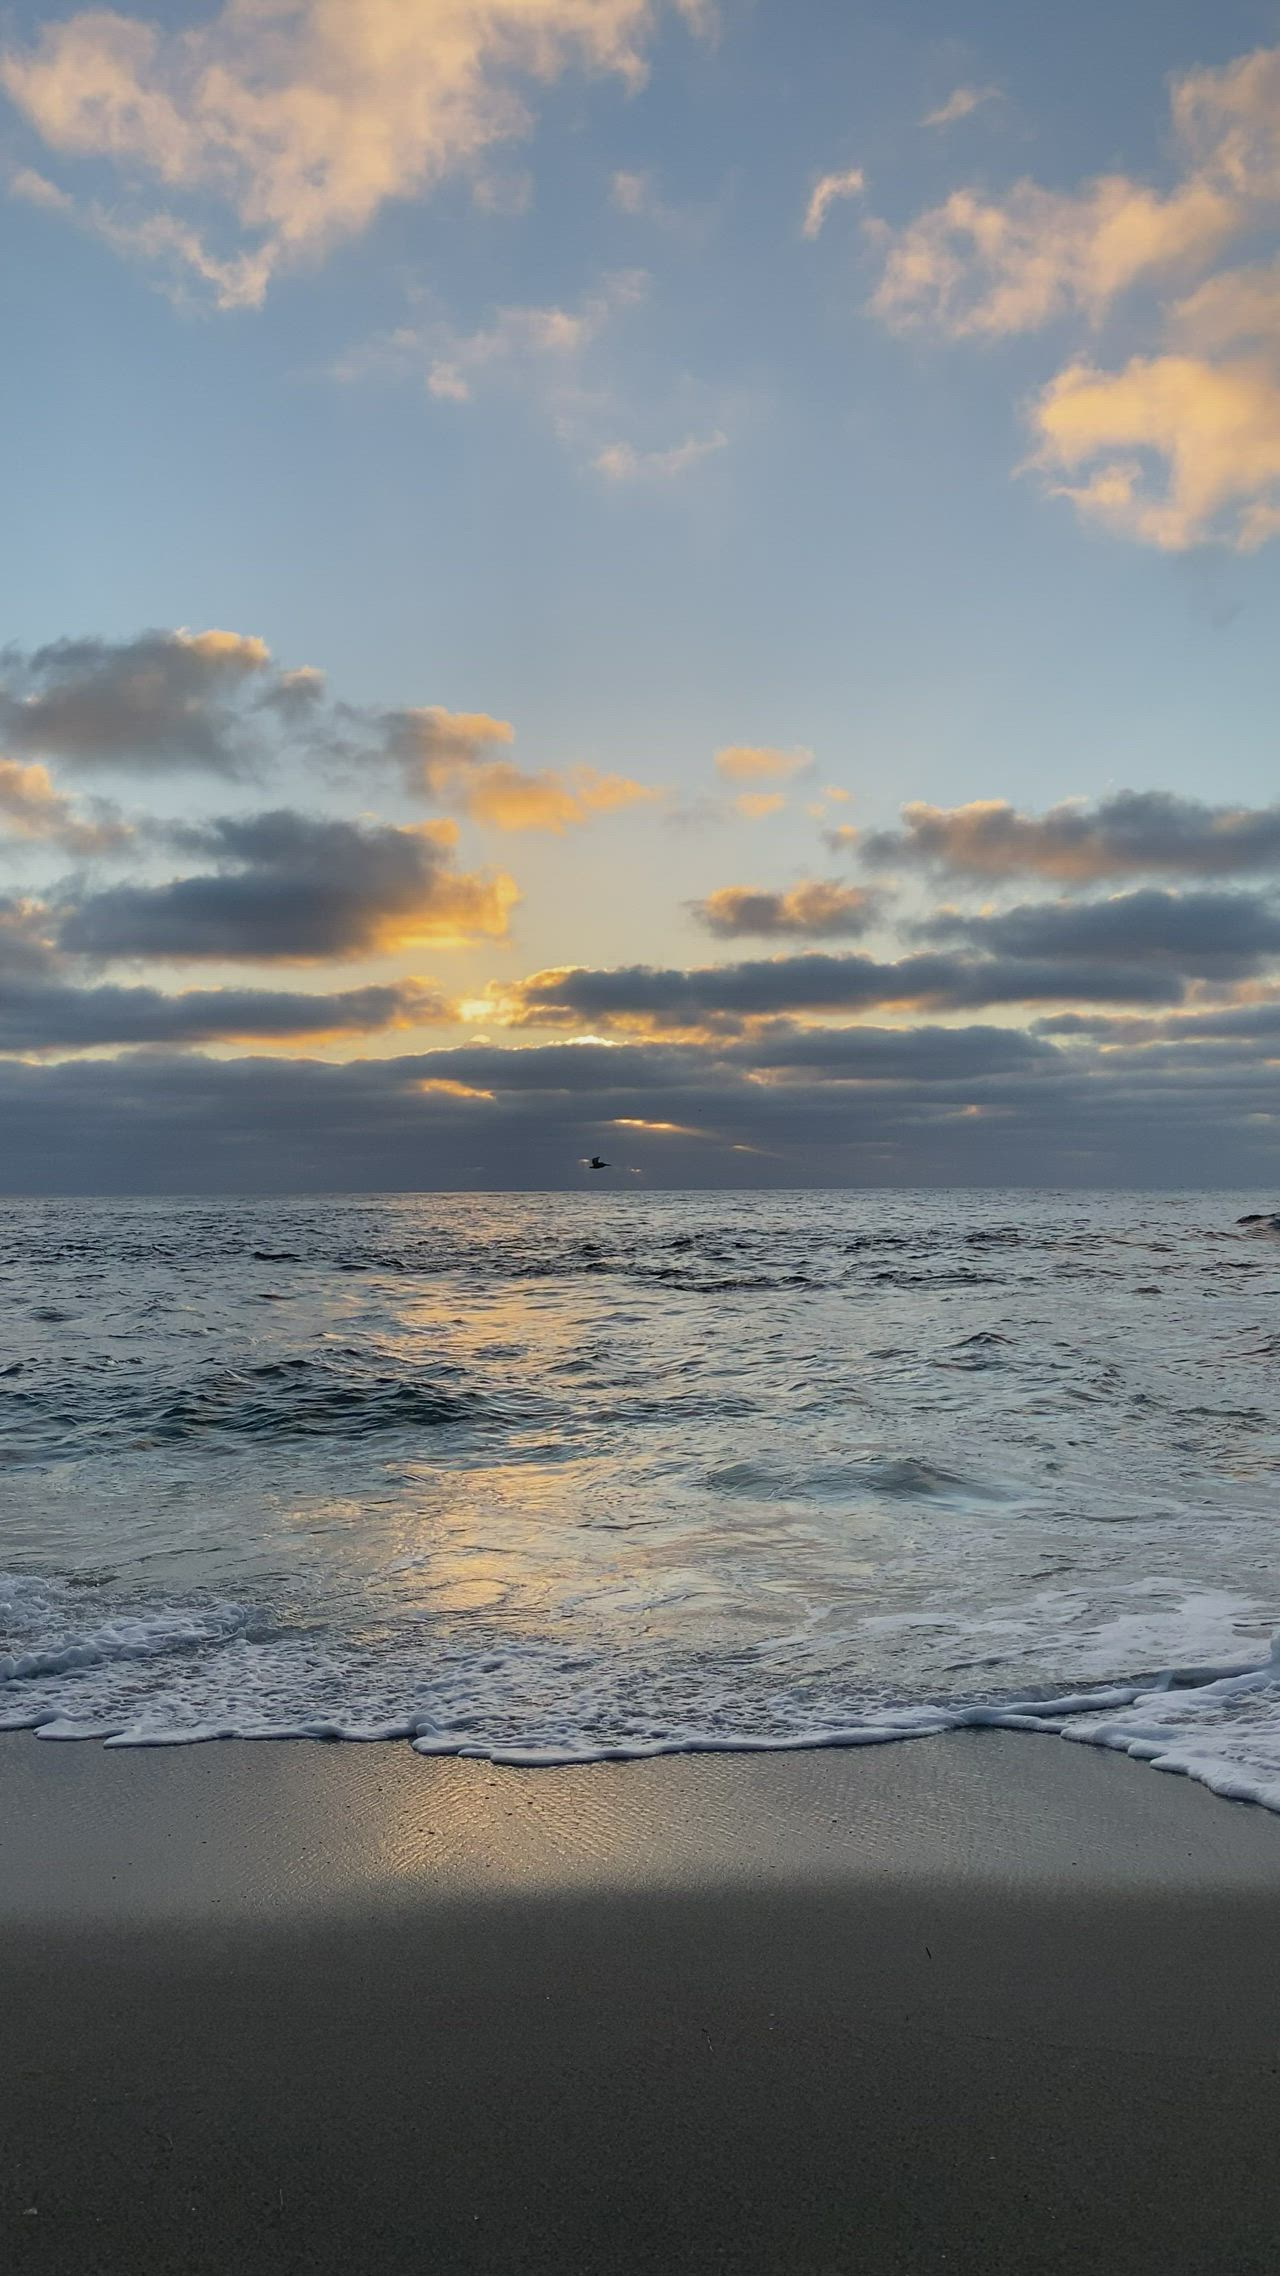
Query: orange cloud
{"points": [[760, 762], [511, 800], [1179, 446], [825, 193], [433, 745], [1215, 427], [31, 808], [302, 121], [443, 754], [443, 1086], [666, 1129], [974, 266], [756, 805]]}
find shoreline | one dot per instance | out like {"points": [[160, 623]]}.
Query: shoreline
{"points": [[964, 2005], [275, 1825]]}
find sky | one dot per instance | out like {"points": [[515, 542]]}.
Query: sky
{"points": [[691, 581]]}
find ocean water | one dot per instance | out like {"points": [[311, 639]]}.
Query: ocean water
{"points": [[547, 1478]]}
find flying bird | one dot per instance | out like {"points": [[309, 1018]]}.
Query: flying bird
{"points": [[595, 1163]]}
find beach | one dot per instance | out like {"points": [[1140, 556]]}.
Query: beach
{"points": [[986, 2002]]}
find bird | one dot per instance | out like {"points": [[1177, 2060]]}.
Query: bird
{"points": [[596, 1163]]}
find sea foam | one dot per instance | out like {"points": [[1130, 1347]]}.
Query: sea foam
{"points": [[167, 1675]]}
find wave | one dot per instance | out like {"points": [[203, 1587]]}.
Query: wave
{"points": [[310, 1398], [173, 1674], [341, 1393]]}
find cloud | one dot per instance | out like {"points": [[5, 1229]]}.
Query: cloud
{"points": [[434, 746], [290, 889], [512, 800], [507, 195], [28, 947], [442, 755], [162, 700], [217, 701], [1251, 1028], [1239, 306], [49, 1016], [32, 809], [929, 1055], [842, 838], [829, 795], [1180, 444], [300, 122], [817, 910], [853, 1107], [551, 358], [519, 335], [623, 462], [725, 997], [293, 695], [239, 280], [1228, 118], [1219, 936], [961, 104], [759, 762], [635, 192], [1128, 834], [35, 189], [974, 266], [757, 805], [532, 347], [631, 192], [1214, 426], [826, 192]]}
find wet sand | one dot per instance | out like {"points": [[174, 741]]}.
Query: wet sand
{"points": [[984, 2003]]}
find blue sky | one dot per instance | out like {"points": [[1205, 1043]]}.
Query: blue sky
{"points": [[545, 410]]}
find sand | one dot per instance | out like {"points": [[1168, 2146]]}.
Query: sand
{"points": [[984, 2003]]}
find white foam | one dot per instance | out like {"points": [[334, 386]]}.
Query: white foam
{"points": [[179, 1674], [1224, 1733]]}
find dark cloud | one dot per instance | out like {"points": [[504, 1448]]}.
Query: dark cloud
{"points": [[816, 910], [895, 1054], [295, 890], [1134, 833], [27, 947], [51, 1016], [728, 994], [1223, 936], [1254, 1024], [481, 1116], [161, 701], [296, 695]]}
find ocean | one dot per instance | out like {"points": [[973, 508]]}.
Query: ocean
{"points": [[564, 1477]]}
